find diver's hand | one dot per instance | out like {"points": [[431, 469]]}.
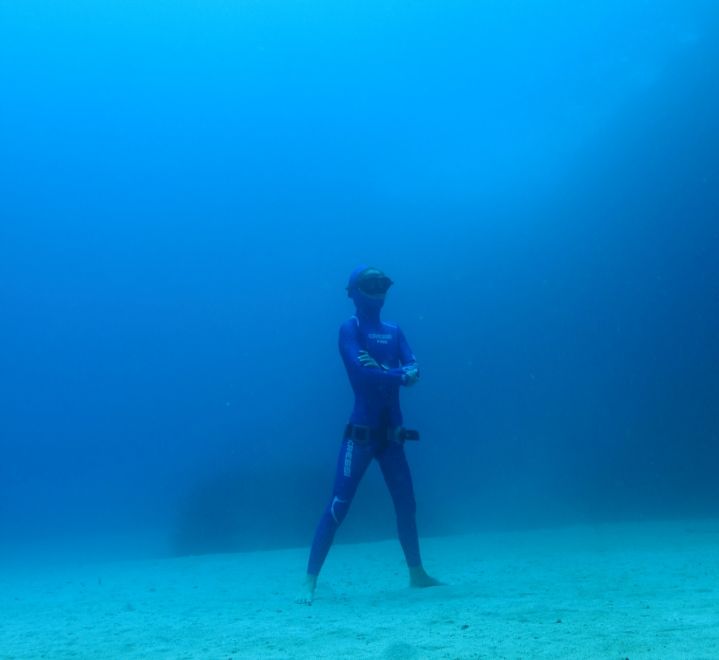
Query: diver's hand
{"points": [[410, 374], [367, 360]]}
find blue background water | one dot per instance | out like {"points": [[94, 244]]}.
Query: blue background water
{"points": [[186, 185]]}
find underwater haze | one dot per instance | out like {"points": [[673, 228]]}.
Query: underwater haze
{"points": [[185, 187]]}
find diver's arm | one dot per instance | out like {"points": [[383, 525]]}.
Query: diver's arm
{"points": [[351, 352], [407, 360]]}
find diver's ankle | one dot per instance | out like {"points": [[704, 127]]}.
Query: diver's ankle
{"points": [[308, 590], [418, 577]]}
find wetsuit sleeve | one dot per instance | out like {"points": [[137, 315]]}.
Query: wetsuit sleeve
{"points": [[350, 350], [406, 356]]}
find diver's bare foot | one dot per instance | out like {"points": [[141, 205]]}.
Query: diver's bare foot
{"points": [[308, 590], [418, 578]]}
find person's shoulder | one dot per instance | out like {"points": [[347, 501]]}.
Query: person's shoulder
{"points": [[391, 326], [351, 324]]}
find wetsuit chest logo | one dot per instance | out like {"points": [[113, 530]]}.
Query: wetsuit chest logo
{"points": [[379, 338]]}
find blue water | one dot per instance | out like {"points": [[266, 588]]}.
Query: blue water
{"points": [[185, 187]]}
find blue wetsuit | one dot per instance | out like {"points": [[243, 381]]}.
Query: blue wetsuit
{"points": [[376, 390]]}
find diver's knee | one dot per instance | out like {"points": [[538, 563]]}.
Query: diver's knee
{"points": [[338, 508]]}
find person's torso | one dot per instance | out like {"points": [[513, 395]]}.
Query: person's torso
{"points": [[377, 405], [382, 343]]}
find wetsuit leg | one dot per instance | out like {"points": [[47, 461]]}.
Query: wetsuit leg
{"points": [[395, 469], [351, 466]]}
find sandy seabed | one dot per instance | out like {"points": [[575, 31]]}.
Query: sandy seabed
{"points": [[648, 590]]}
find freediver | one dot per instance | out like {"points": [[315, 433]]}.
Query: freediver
{"points": [[379, 361]]}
